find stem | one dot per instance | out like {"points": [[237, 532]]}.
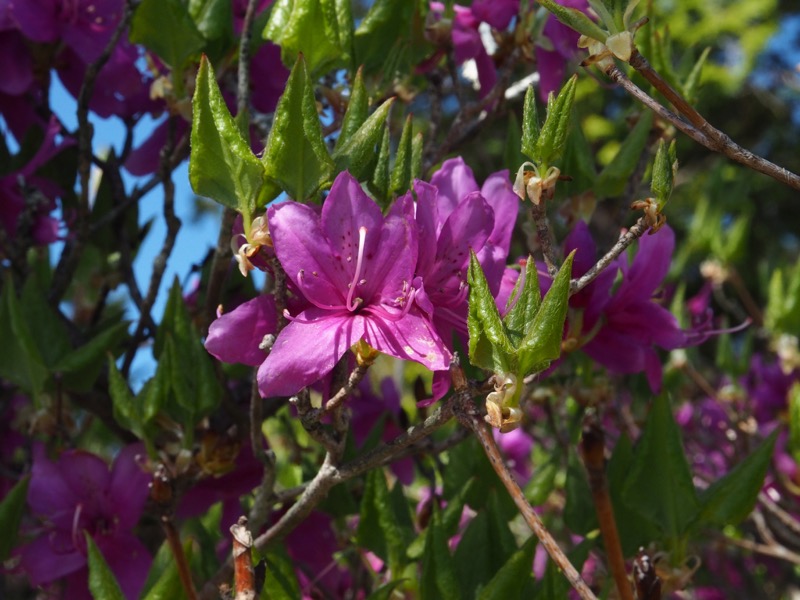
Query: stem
{"points": [[545, 236], [593, 455], [467, 415], [244, 575], [698, 128], [625, 240]]}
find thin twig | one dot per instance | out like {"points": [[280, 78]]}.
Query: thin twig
{"points": [[545, 237], [467, 414], [775, 551], [220, 267], [70, 255], [593, 455], [698, 128], [625, 240], [328, 476], [243, 89], [160, 263]]}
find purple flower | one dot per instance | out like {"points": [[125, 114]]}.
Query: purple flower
{"points": [[552, 62], [497, 13], [42, 228], [768, 386], [79, 493], [85, 26], [355, 268], [235, 336], [454, 215], [517, 446], [621, 330]]}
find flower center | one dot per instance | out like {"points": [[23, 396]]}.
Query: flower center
{"points": [[354, 303]]}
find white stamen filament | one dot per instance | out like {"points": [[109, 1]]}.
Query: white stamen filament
{"points": [[362, 237]]}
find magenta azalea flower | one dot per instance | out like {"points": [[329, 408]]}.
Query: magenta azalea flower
{"points": [[237, 336], [564, 41], [497, 13], [43, 229], [355, 268], [621, 330], [85, 26], [79, 493]]}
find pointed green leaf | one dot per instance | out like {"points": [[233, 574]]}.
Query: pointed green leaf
{"points": [[478, 555], [46, 329], [512, 577], [309, 28], [730, 499], [400, 180], [125, 407], [12, 508], [280, 582], [213, 18], [542, 341], [168, 586], [489, 346], [417, 147], [615, 176], [356, 113], [553, 136], [575, 19], [20, 360], [634, 530], [578, 163], [391, 37], [530, 125], [379, 185], [526, 299], [166, 28], [357, 154], [693, 79], [439, 581], [295, 155], [102, 583], [221, 166], [659, 484], [663, 173], [92, 352]]}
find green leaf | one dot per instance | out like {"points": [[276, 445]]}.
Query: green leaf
{"points": [[530, 125], [634, 530], [511, 578], [221, 166], [280, 582], [659, 484], [553, 136], [92, 352], [295, 155], [575, 19], [489, 346], [126, 410], [542, 482], [400, 180], [577, 163], [166, 28], [357, 111], [213, 18], [12, 508], [46, 329], [357, 154], [417, 148], [168, 586], [783, 301], [386, 591], [391, 37], [309, 28], [579, 512], [379, 184], [385, 524], [526, 297], [542, 341], [663, 173], [692, 81], [20, 360], [615, 176], [730, 499], [102, 583], [439, 581], [794, 421]]}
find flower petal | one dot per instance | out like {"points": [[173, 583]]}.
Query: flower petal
{"points": [[307, 349], [305, 253], [454, 180], [235, 336], [129, 487], [498, 192], [409, 338]]}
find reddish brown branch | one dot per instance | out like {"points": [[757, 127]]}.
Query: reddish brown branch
{"points": [[244, 574], [593, 455]]}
